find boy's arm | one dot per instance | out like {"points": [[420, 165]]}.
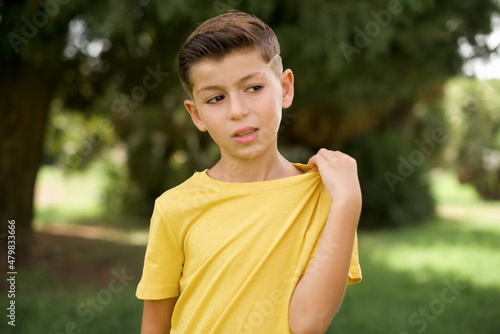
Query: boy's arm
{"points": [[319, 292], [157, 316]]}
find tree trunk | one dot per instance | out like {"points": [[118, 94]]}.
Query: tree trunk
{"points": [[26, 93]]}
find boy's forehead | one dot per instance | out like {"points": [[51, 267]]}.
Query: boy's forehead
{"points": [[231, 67]]}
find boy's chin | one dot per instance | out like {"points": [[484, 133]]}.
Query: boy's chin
{"points": [[249, 153]]}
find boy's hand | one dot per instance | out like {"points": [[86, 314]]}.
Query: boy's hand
{"points": [[339, 173]]}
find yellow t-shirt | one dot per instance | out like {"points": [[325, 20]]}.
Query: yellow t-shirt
{"points": [[233, 252]]}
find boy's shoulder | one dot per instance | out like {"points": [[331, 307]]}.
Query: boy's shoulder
{"points": [[185, 200], [185, 196], [192, 184]]}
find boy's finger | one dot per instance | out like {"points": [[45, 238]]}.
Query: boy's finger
{"points": [[312, 163]]}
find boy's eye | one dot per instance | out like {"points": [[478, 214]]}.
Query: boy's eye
{"points": [[215, 99], [255, 88]]}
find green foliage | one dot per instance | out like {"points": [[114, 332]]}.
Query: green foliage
{"points": [[395, 189], [392, 63], [360, 68], [472, 108], [430, 116], [74, 140]]}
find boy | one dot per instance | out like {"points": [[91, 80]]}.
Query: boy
{"points": [[254, 244]]}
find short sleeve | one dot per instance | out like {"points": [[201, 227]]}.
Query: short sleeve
{"points": [[354, 275], [163, 261]]}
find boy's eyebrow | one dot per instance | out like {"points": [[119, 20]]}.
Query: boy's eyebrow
{"points": [[246, 77]]}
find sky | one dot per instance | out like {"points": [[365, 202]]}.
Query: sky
{"points": [[489, 69]]}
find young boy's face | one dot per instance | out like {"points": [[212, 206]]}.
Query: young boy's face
{"points": [[239, 101]]}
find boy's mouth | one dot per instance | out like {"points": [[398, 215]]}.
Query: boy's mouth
{"points": [[245, 135], [244, 132]]}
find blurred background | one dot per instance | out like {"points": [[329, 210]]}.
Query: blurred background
{"points": [[93, 129]]}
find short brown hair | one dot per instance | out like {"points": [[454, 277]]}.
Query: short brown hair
{"points": [[223, 34]]}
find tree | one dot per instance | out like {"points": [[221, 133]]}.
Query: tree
{"points": [[471, 109], [367, 65]]}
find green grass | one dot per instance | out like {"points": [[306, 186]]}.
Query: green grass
{"points": [[448, 190], [49, 305], [405, 288], [406, 271], [78, 285], [68, 197]]}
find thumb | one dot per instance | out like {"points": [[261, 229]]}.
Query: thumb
{"points": [[312, 163]]}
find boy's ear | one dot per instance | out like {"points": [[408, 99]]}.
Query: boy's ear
{"points": [[195, 115], [287, 88]]}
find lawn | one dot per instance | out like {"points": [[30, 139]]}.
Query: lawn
{"points": [[440, 277]]}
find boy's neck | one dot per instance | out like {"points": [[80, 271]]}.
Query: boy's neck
{"points": [[262, 168]]}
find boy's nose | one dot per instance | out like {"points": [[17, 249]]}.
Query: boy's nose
{"points": [[237, 109]]}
